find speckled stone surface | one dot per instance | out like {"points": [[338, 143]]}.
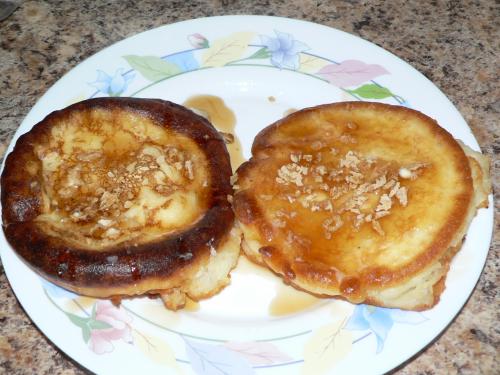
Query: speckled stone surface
{"points": [[454, 43]]}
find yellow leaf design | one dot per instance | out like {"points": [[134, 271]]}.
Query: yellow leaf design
{"points": [[76, 305], [327, 346], [156, 349], [311, 64], [158, 313], [341, 310], [228, 49]]}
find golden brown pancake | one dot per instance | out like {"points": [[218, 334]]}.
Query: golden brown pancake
{"points": [[364, 201], [119, 197]]}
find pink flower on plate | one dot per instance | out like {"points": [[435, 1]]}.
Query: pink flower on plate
{"points": [[101, 339], [198, 41]]}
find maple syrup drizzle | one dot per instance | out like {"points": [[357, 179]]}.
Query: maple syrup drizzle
{"points": [[224, 120], [191, 305], [287, 300]]}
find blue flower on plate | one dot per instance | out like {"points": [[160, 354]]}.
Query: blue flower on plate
{"points": [[380, 321], [405, 103], [184, 60], [112, 85], [284, 50], [57, 292]]}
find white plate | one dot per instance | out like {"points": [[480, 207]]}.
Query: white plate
{"points": [[245, 60]]}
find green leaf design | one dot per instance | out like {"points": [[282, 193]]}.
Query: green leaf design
{"points": [[152, 67], [86, 334], [99, 324], [372, 91], [77, 320], [262, 53]]}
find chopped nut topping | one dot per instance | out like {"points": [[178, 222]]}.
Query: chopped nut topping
{"points": [[291, 173], [321, 170], [189, 167], [295, 157], [295, 239], [389, 184], [336, 191], [355, 188], [77, 215], [363, 188], [107, 200], [384, 204], [112, 233], [394, 190], [317, 145], [278, 223], [89, 156], [324, 187], [99, 191], [378, 228], [402, 196], [105, 222], [354, 178], [379, 182], [331, 225], [350, 160], [347, 138]]}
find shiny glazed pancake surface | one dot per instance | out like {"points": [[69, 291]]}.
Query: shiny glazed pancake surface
{"points": [[360, 200], [117, 197]]}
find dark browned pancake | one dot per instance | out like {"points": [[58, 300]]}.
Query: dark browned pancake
{"points": [[364, 201], [122, 197]]}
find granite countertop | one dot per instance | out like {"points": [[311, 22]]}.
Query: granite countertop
{"points": [[453, 43]]}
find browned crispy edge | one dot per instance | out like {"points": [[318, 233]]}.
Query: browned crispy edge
{"points": [[57, 260], [248, 212]]}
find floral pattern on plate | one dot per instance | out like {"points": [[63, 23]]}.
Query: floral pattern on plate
{"points": [[281, 51], [105, 324]]}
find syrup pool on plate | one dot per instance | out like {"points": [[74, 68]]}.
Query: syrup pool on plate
{"points": [[223, 118], [283, 300]]}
